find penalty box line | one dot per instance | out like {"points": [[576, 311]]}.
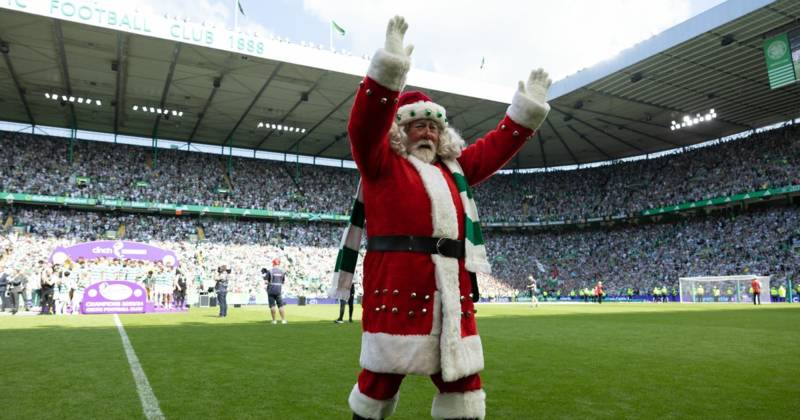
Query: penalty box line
{"points": [[149, 402]]}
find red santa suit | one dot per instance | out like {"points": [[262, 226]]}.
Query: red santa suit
{"points": [[418, 315]]}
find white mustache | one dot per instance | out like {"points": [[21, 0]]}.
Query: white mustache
{"points": [[423, 143]]}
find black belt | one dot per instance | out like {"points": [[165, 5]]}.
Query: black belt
{"points": [[442, 246]]}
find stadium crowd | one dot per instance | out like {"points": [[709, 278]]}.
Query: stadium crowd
{"points": [[38, 164], [641, 256]]}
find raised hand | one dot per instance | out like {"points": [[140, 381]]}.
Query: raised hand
{"points": [[395, 31], [536, 88], [529, 106]]}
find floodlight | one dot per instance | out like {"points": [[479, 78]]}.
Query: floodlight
{"points": [[47, 95], [97, 101]]}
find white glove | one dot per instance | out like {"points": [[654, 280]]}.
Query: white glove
{"points": [[390, 65], [529, 106], [395, 31]]}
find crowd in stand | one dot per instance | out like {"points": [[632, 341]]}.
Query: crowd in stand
{"points": [[644, 256], [39, 164], [765, 241], [768, 159]]}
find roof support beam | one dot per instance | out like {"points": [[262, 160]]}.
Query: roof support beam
{"points": [[252, 103], [642, 133], [214, 87], [289, 112], [176, 51], [122, 78], [654, 105], [563, 143], [20, 89], [325, 118], [631, 145], [495, 117], [62, 66], [541, 147], [335, 140], [591, 143]]}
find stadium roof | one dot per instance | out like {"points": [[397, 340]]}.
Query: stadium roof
{"points": [[619, 108]]}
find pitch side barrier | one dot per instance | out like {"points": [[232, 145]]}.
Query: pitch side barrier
{"points": [[165, 208], [181, 209], [767, 194]]}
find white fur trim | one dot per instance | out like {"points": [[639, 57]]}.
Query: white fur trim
{"points": [[436, 329], [403, 354], [389, 70], [454, 405], [527, 112], [371, 408], [422, 110], [460, 356], [445, 219], [479, 263]]}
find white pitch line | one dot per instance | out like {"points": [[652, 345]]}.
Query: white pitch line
{"points": [[149, 402]]}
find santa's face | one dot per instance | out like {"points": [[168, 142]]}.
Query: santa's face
{"points": [[423, 139]]}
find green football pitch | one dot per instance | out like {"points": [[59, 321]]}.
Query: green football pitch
{"points": [[582, 361]]}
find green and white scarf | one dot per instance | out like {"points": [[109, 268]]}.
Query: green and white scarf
{"points": [[347, 258]]}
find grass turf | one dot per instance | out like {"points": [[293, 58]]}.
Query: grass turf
{"points": [[555, 362]]}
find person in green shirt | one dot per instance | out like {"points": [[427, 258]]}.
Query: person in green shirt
{"points": [[656, 294], [773, 293], [715, 293], [729, 293]]}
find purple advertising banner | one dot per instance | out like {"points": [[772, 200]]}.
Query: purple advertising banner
{"points": [[114, 297], [123, 250]]}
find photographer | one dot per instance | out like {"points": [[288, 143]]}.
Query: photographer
{"points": [[221, 288], [179, 290], [16, 290], [5, 293], [49, 280], [274, 279]]}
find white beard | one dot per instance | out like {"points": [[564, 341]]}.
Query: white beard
{"points": [[425, 154]]}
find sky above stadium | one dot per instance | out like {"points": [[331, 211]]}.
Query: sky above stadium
{"points": [[496, 42]]}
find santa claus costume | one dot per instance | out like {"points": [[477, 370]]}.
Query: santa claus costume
{"points": [[418, 312]]}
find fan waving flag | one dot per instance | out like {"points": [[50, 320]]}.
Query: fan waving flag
{"points": [[338, 28]]}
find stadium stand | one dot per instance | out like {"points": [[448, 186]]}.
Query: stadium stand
{"points": [[756, 239]]}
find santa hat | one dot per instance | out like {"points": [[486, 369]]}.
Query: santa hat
{"points": [[415, 105]]}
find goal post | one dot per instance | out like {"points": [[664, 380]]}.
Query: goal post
{"points": [[721, 289]]}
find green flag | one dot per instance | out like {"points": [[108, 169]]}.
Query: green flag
{"points": [[338, 28]]}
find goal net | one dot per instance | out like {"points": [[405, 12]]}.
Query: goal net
{"points": [[723, 289]]}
